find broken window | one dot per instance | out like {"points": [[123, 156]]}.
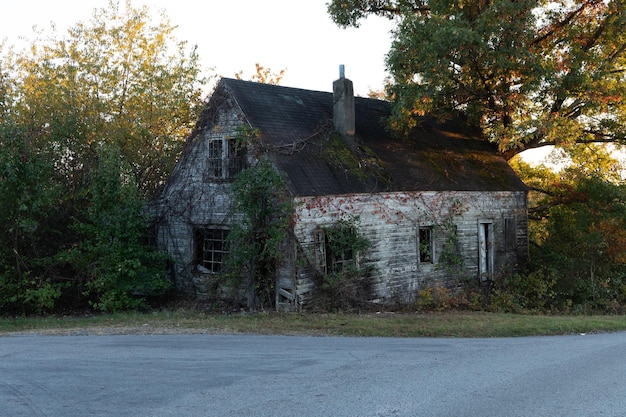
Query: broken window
{"points": [[211, 249], [236, 158], [341, 260], [216, 158], [225, 159], [333, 249], [425, 244]]}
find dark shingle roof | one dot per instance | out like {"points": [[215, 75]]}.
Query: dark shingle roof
{"points": [[295, 125]]}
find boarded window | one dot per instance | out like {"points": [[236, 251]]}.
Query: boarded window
{"points": [[510, 233], [425, 244], [211, 249]]}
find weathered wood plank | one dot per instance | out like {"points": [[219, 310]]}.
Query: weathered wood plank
{"points": [[286, 294]]}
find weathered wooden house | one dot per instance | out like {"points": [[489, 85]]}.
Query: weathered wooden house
{"points": [[438, 207]]}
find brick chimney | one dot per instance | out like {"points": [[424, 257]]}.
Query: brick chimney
{"points": [[343, 104]]}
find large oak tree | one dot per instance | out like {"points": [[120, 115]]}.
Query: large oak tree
{"points": [[529, 72]]}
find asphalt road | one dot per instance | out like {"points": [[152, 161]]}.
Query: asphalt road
{"points": [[225, 375]]}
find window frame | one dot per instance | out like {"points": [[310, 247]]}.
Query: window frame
{"points": [[319, 247], [328, 262], [224, 159], [210, 248], [423, 256]]}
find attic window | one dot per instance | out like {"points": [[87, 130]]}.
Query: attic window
{"points": [[216, 158], [211, 248], [225, 160]]}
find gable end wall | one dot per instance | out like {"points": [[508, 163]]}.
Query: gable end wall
{"points": [[191, 200]]}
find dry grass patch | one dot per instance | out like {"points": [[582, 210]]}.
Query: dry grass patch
{"points": [[384, 324]]}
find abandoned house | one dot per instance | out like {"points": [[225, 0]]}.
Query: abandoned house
{"points": [[437, 208]]}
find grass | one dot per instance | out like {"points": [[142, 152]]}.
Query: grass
{"points": [[445, 324]]}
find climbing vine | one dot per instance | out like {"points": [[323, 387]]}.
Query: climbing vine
{"points": [[451, 258], [264, 211], [245, 136]]}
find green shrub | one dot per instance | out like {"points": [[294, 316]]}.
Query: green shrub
{"points": [[119, 270]]}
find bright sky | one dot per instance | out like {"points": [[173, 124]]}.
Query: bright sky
{"points": [[232, 35]]}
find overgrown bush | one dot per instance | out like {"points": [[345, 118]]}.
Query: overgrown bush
{"points": [[584, 243], [30, 221], [118, 268], [523, 292]]}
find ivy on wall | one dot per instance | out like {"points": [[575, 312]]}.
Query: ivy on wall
{"points": [[346, 283], [263, 210]]}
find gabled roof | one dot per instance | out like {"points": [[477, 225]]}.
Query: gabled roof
{"points": [[295, 127]]}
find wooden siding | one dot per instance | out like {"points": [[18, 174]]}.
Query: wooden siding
{"points": [[391, 222]]}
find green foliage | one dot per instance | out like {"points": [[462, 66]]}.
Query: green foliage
{"points": [[30, 218], [343, 238], [451, 257], [532, 291], [577, 229], [530, 73], [586, 242], [70, 213], [245, 136], [264, 213], [118, 268]]}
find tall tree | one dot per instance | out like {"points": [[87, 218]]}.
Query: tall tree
{"points": [[529, 72], [578, 230], [91, 123], [120, 79]]}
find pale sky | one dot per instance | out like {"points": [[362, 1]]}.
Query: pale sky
{"points": [[232, 35]]}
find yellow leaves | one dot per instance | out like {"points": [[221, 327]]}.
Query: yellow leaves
{"points": [[264, 75], [119, 79]]}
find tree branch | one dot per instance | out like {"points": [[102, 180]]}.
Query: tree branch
{"points": [[553, 28]]}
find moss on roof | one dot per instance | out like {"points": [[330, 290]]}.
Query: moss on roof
{"points": [[294, 126]]}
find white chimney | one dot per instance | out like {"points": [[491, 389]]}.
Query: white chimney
{"points": [[343, 104]]}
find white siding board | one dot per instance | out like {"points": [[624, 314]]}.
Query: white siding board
{"points": [[390, 222]]}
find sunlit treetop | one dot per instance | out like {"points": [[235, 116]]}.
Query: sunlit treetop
{"points": [[120, 79], [529, 72]]}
